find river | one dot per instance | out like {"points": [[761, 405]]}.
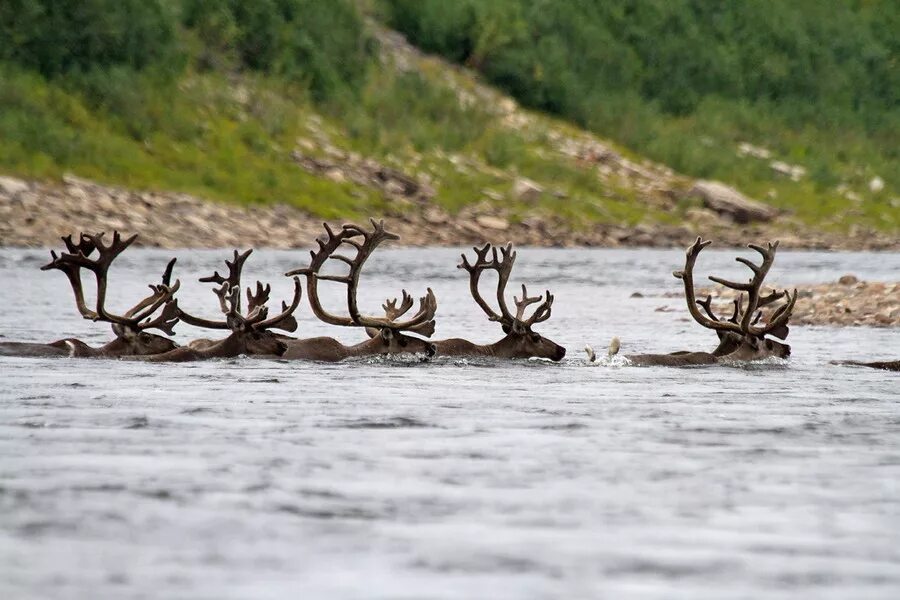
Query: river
{"points": [[398, 478]]}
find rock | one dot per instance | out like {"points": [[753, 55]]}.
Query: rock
{"points": [[335, 175], [507, 106], [526, 190], [394, 188], [728, 201], [794, 172], [702, 218], [848, 280], [489, 222], [636, 295], [435, 215], [884, 318], [747, 149], [12, 186], [492, 194], [72, 180]]}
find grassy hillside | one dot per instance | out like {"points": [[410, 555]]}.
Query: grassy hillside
{"points": [[685, 82], [212, 97]]}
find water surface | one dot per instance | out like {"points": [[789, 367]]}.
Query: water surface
{"points": [[450, 479]]}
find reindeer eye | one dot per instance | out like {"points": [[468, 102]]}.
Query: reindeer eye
{"points": [[145, 337], [403, 342], [535, 337]]}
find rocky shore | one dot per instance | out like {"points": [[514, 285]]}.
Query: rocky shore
{"points": [[37, 213], [845, 302]]}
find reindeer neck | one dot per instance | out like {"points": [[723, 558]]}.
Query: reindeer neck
{"points": [[117, 347], [371, 347], [463, 347], [231, 346]]}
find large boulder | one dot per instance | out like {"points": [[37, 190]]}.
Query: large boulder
{"points": [[730, 203]]}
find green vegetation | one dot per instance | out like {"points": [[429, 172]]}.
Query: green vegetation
{"points": [[211, 97], [684, 81]]}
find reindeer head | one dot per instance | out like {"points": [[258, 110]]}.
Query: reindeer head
{"points": [[742, 337], [131, 328], [392, 331], [251, 328], [521, 340]]}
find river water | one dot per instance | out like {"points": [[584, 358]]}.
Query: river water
{"points": [[450, 479]]}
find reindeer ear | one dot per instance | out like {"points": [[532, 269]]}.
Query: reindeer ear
{"points": [[780, 332], [386, 335]]}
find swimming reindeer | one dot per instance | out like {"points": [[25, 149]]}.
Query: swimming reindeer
{"points": [[741, 337], [520, 339], [387, 335], [250, 330], [884, 365], [130, 328]]}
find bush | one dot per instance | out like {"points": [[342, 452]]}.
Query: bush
{"points": [[322, 44], [553, 55], [62, 36]]}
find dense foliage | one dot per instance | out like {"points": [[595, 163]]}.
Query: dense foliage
{"points": [[563, 55], [321, 44], [817, 82], [62, 36]]}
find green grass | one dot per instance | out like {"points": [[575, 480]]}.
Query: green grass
{"points": [[196, 138], [230, 138]]}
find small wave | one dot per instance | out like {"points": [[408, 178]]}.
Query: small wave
{"points": [[572, 426], [618, 360], [325, 514], [389, 423], [762, 363], [141, 422]]}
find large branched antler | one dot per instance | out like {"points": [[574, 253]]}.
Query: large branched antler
{"points": [[137, 318], [363, 243], [503, 263], [229, 295], [744, 318]]}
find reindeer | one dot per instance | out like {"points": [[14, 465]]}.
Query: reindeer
{"points": [[388, 334], [520, 341], [249, 331], [130, 329], [884, 365], [741, 337]]}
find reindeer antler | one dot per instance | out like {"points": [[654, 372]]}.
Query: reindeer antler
{"points": [[392, 311], [363, 243], [79, 257], [229, 295], [503, 263], [744, 318]]}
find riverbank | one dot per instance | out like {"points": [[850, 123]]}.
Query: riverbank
{"points": [[846, 302], [36, 214]]}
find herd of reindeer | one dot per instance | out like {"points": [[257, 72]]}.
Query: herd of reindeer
{"points": [[743, 336]]}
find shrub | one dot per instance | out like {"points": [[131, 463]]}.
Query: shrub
{"points": [[322, 44], [61, 36]]}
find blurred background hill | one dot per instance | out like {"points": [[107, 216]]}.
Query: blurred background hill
{"points": [[577, 114]]}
